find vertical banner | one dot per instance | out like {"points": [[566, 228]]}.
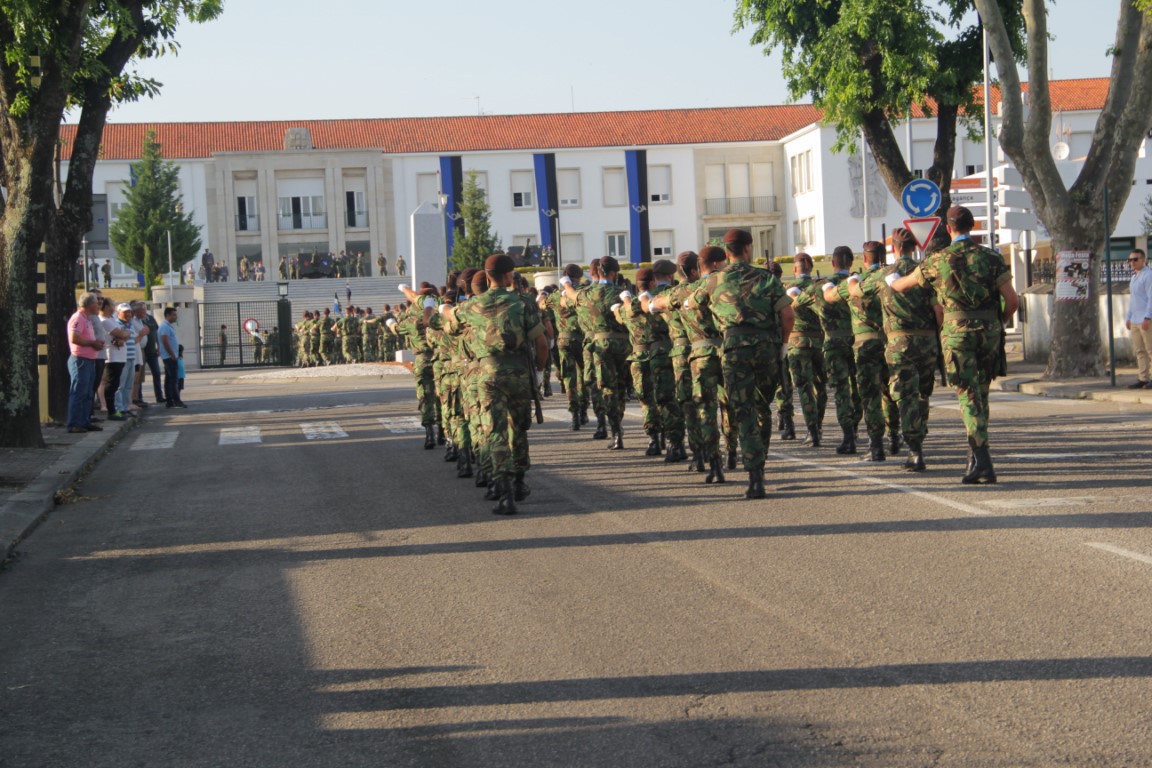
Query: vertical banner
{"points": [[1073, 275], [639, 240], [548, 202], [452, 184]]}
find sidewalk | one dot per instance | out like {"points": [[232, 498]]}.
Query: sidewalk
{"points": [[31, 478]]}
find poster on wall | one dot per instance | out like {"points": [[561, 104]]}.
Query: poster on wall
{"points": [[1073, 273]]}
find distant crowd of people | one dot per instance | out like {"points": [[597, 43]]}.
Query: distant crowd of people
{"points": [[295, 267]]}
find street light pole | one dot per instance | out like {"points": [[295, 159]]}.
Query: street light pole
{"points": [[87, 271]]}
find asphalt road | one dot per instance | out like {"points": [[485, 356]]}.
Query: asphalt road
{"points": [[277, 577]]}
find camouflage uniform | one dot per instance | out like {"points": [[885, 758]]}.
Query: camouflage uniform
{"points": [[570, 345], [664, 374], [706, 375], [911, 349], [967, 278], [806, 354], [681, 370], [609, 344], [642, 333], [314, 335], [871, 370], [371, 335], [841, 365], [349, 329], [744, 301], [499, 325], [413, 335], [387, 341], [326, 330]]}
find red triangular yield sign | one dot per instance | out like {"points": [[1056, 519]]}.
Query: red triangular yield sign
{"points": [[922, 229]]}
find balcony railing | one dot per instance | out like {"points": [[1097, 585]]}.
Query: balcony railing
{"points": [[303, 221], [247, 222], [725, 206]]}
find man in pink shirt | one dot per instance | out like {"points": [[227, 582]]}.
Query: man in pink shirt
{"points": [[84, 346]]}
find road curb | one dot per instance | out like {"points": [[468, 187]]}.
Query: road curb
{"points": [[25, 510]]}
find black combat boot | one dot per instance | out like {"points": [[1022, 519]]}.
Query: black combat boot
{"points": [[440, 438], [601, 432], [697, 463], [787, 427], [520, 487], [715, 470], [450, 453], [982, 472], [464, 463], [653, 445], [575, 421], [971, 464], [617, 439], [676, 452], [731, 458], [583, 415], [849, 444], [429, 438], [481, 478], [894, 442], [548, 389], [506, 493], [493, 492], [813, 438], [755, 484], [915, 460], [876, 448]]}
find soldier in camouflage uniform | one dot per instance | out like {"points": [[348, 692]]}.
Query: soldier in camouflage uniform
{"points": [[705, 372], [371, 330], [304, 331], [348, 330], [806, 349], [591, 365], [609, 341], [570, 345], [670, 368], [753, 313], [387, 339], [644, 334], [411, 328], [859, 292], [785, 410], [500, 329], [326, 333], [841, 364], [970, 281]]}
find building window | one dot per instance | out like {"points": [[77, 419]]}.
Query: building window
{"points": [[427, 188], [618, 245], [247, 219], [114, 210], [568, 187], [302, 213], [659, 183], [801, 167], [356, 215], [661, 243], [522, 189], [572, 248], [804, 231], [972, 170], [615, 188]]}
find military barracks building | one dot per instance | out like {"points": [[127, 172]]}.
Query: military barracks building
{"points": [[635, 185]]}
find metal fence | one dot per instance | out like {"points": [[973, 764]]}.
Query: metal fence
{"points": [[233, 333]]}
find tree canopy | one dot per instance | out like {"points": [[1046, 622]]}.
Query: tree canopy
{"points": [[478, 241]]}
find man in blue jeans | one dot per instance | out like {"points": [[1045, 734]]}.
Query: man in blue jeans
{"points": [[151, 355], [169, 355], [84, 346]]}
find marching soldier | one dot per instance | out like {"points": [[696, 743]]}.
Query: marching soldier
{"points": [[806, 349], [841, 365], [570, 346], [974, 286], [644, 333], [785, 410], [411, 327]]}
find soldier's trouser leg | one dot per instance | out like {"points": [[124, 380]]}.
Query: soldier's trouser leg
{"points": [[784, 391], [842, 377], [474, 411], [504, 396], [572, 374], [592, 379], [425, 390], [613, 374], [682, 372], [664, 393], [750, 376], [912, 377], [802, 366], [325, 350], [969, 359], [357, 350], [348, 349], [643, 383], [728, 424], [820, 380], [872, 383], [707, 378]]}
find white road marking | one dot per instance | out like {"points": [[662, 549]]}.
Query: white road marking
{"points": [[1067, 501], [240, 435], [323, 430], [1046, 456], [155, 441], [1122, 552], [957, 505], [405, 425]]}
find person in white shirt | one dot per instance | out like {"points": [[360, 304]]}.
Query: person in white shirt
{"points": [[1139, 319], [117, 336], [131, 359]]}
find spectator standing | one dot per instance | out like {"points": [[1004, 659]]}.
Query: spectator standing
{"points": [[105, 310], [401, 268], [1139, 319], [93, 273], [151, 359], [382, 264], [106, 270], [118, 333], [83, 346], [207, 262], [169, 355], [131, 359], [222, 343]]}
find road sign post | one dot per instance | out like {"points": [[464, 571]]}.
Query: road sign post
{"points": [[921, 198], [922, 229]]}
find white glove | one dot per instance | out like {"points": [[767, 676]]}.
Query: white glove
{"points": [[404, 287], [442, 308], [391, 323], [826, 286], [625, 295], [892, 278], [616, 307], [853, 278], [646, 295], [793, 291], [429, 302], [565, 280]]}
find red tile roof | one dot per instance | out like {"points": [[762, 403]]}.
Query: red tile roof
{"points": [[1067, 95], [651, 128], [466, 134]]}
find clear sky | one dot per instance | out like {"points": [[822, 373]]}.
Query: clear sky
{"points": [[285, 59]]}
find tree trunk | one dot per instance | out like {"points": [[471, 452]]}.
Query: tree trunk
{"points": [[1075, 350]]}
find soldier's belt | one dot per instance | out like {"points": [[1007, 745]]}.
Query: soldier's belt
{"points": [[868, 337], [706, 343], [655, 346], [980, 314], [570, 337], [838, 334], [511, 357], [801, 335], [609, 336], [681, 342], [912, 332], [747, 330]]}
